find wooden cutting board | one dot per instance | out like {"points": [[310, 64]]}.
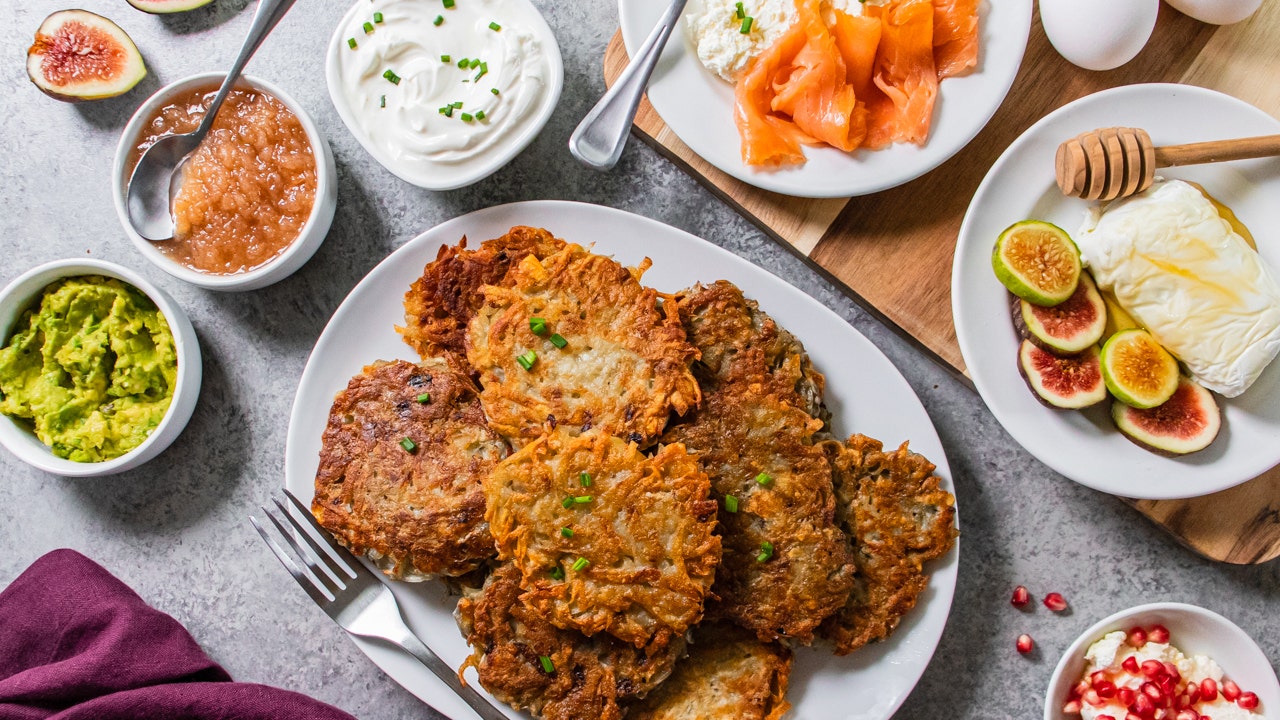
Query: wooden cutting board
{"points": [[892, 254]]}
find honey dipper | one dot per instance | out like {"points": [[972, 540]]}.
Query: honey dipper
{"points": [[1110, 163]]}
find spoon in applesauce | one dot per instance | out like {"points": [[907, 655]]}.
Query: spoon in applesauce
{"points": [[158, 174]]}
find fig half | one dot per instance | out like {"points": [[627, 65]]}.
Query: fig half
{"points": [[1187, 422], [1069, 383], [1138, 370], [78, 55], [1037, 261], [165, 7], [1068, 327]]}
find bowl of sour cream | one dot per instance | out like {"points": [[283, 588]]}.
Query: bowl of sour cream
{"points": [[444, 92]]}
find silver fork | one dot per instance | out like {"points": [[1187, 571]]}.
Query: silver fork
{"points": [[350, 593]]}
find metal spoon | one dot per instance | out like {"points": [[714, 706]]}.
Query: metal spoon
{"points": [[600, 137], [158, 174]]}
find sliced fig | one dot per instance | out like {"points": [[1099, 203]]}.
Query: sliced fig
{"points": [[1066, 328], [1138, 370], [1037, 261], [1185, 423], [1067, 382], [165, 7], [78, 55]]}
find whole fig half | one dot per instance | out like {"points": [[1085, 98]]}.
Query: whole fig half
{"points": [[78, 55]]}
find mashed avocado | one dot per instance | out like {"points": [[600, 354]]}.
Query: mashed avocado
{"points": [[92, 368]]}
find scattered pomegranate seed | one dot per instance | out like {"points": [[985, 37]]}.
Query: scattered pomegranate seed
{"points": [[1143, 706], [1105, 717], [1020, 597], [1160, 714], [1137, 637], [1248, 701], [1130, 664], [1152, 691], [1105, 688], [1182, 700], [1158, 634], [1125, 696], [1208, 690], [1230, 690], [1152, 668], [1025, 643], [1131, 716], [1173, 671], [1193, 693], [1055, 602], [1187, 714], [1072, 707], [1091, 697], [1081, 688], [1097, 676]]}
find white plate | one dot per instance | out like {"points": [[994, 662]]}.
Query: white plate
{"points": [[862, 386], [1085, 446], [698, 107]]}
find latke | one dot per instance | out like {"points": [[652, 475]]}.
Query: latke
{"points": [[606, 357], [608, 539], [588, 677], [893, 507], [401, 464]]}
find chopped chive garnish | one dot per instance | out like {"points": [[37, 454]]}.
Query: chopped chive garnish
{"points": [[538, 326], [457, 104], [438, 21], [390, 75], [730, 504], [383, 103], [464, 63], [468, 117], [480, 116], [424, 398], [580, 563], [558, 340], [557, 572], [746, 25], [377, 17], [547, 666], [351, 43], [493, 90], [582, 499], [368, 28], [567, 502], [741, 11], [495, 26], [529, 358], [764, 478], [409, 445], [584, 478], [448, 4], [484, 70], [766, 551], [445, 58], [566, 532]]}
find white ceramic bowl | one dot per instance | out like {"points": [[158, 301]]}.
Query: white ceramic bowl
{"points": [[294, 256], [25, 291], [1193, 630]]}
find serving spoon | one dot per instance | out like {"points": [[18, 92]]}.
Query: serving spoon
{"points": [[1111, 163], [158, 175], [600, 138]]}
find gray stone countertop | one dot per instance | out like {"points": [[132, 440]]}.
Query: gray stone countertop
{"points": [[176, 529]]}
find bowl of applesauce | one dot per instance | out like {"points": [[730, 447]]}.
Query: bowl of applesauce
{"points": [[256, 198]]}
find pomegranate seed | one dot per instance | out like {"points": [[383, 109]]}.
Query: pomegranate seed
{"points": [[1158, 634], [1193, 693], [1105, 688], [1125, 695], [1152, 691], [1072, 707], [1230, 690], [1080, 688], [1091, 697], [1173, 671], [1168, 685], [1130, 664], [1025, 643], [1143, 706], [1160, 714], [1152, 668], [1131, 716], [1137, 637], [1248, 701], [1182, 700], [1187, 714], [1208, 690], [1097, 677], [1020, 597], [1105, 717], [1055, 602]]}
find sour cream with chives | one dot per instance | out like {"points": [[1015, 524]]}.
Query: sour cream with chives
{"points": [[444, 92]]}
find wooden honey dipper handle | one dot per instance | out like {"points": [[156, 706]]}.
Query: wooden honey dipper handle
{"points": [[1110, 163]]}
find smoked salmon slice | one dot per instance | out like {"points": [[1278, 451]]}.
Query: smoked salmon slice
{"points": [[955, 36], [768, 140], [815, 92], [904, 73]]}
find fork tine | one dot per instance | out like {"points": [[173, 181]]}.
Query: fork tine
{"points": [[304, 531], [339, 554], [305, 580], [303, 550]]}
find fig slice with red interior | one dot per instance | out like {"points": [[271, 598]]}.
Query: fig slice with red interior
{"points": [[165, 7], [1067, 382], [78, 55], [1185, 423], [1069, 327]]}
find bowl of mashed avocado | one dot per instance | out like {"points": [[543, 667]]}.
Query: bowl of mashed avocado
{"points": [[99, 369]]}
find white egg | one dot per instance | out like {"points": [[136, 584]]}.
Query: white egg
{"points": [[1217, 12], [1098, 34]]}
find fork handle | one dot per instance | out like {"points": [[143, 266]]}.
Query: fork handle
{"points": [[424, 654]]}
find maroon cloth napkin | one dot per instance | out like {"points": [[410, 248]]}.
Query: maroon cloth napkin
{"points": [[78, 644]]}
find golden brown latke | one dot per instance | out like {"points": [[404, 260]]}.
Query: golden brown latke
{"points": [[723, 324], [638, 557], [893, 507], [624, 366], [760, 450], [439, 305], [589, 677], [728, 675], [416, 513]]}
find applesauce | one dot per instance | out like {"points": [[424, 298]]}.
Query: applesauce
{"points": [[249, 188]]}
